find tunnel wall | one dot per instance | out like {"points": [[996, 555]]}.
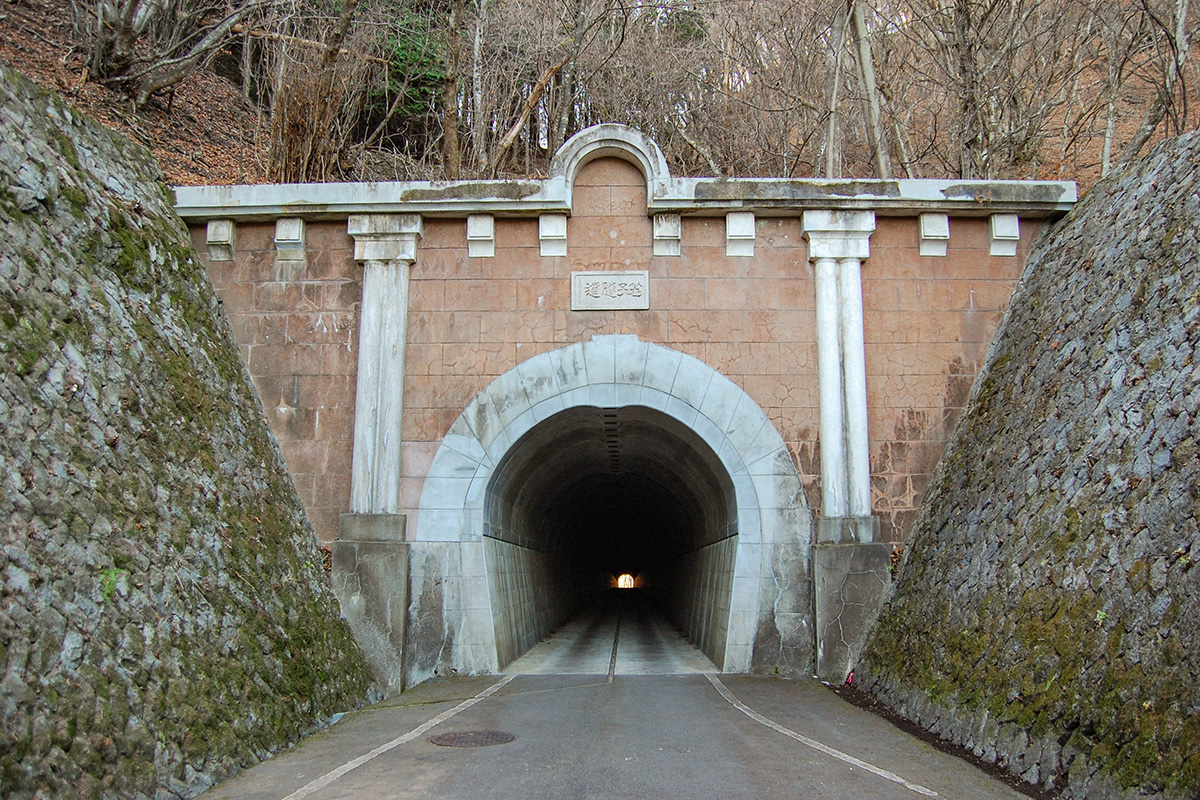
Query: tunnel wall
{"points": [[590, 493], [696, 593], [530, 596], [453, 616]]}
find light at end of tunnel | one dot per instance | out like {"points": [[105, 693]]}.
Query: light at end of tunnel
{"points": [[625, 581]]}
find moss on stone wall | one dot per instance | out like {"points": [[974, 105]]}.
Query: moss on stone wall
{"points": [[1045, 613], [164, 618]]}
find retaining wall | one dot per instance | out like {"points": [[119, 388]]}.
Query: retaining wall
{"points": [[164, 618], [1045, 615]]}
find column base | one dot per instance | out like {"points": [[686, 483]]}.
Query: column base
{"points": [[851, 580], [847, 530], [370, 580]]}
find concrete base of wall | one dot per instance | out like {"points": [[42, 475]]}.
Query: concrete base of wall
{"points": [[370, 579], [851, 577]]}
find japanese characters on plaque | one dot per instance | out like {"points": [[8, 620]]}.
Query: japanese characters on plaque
{"points": [[602, 291]]}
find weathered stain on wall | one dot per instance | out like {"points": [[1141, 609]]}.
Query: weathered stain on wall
{"points": [[1045, 616], [164, 619]]}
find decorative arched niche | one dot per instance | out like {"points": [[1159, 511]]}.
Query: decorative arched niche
{"points": [[612, 140]]}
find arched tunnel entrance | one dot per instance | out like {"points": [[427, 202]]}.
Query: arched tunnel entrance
{"points": [[600, 457], [592, 493]]}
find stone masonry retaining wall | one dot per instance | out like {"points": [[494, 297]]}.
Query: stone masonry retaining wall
{"points": [[1045, 615], [164, 620]]}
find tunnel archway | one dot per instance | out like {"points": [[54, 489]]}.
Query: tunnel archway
{"points": [[487, 574], [592, 493]]}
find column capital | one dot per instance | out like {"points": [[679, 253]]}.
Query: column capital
{"points": [[838, 234], [385, 237]]}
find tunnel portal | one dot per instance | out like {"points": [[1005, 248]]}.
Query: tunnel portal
{"points": [[591, 493], [601, 457]]}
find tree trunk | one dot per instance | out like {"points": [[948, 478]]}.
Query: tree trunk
{"points": [[478, 118], [450, 149], [247, 43], [866, 66], [171, 72], [971, 134], [833, 80], [568, 78], [535, 96]]}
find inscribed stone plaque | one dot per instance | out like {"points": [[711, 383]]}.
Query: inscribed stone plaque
{"points": [[601, 291]]}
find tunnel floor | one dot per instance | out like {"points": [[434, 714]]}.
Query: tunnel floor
{"points": [[646, 643]]}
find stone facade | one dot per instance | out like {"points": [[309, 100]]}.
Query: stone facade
{"points": [[296, 325], [927, 321], [1045, 615], [871, 302], [164, 619]]}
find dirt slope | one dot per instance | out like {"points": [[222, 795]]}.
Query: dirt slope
{"points": [[205, 134]]}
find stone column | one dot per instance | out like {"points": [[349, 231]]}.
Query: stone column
{"points": [[829, 372], [370, 556], [386, 246], [854, 382], [838, 242], [850, 569]]}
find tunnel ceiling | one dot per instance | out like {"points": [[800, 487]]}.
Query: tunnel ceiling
{"points": [[620, 489]]}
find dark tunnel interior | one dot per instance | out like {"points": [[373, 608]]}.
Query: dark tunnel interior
{"points": [[591, 493]]}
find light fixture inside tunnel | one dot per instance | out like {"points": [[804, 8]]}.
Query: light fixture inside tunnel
{"points": [[625, 581]]}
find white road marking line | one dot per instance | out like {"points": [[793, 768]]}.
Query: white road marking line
{"points": [[612, 661], [330, 777], [813, 743]]}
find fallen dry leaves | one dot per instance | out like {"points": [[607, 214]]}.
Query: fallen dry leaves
{"points": [[205, 132]]}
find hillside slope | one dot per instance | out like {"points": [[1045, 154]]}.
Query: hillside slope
{"points": [[207, 135]]}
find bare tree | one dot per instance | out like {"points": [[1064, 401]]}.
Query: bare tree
{"points": [[1171, 36], [460, 88], [478, 120], [317, 105], [450, 116], [833, 80], [145, 46], [872, 112]]}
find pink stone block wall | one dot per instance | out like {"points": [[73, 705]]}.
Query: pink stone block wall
{"points": [[928, 323], [296, 324]]}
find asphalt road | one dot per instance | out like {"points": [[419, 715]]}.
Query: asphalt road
{"points": [[691, 734], [646, 643]]}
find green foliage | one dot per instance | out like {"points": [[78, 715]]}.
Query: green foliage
{"points": [[110, 578], [413, 78], [688, 24]]}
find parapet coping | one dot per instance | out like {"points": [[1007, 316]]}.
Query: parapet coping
{"points": [[664, 194]]}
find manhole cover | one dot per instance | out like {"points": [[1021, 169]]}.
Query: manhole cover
{"points": [[471, 738]]}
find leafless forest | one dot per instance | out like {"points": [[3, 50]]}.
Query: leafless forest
{"points": [[406, 89]]}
